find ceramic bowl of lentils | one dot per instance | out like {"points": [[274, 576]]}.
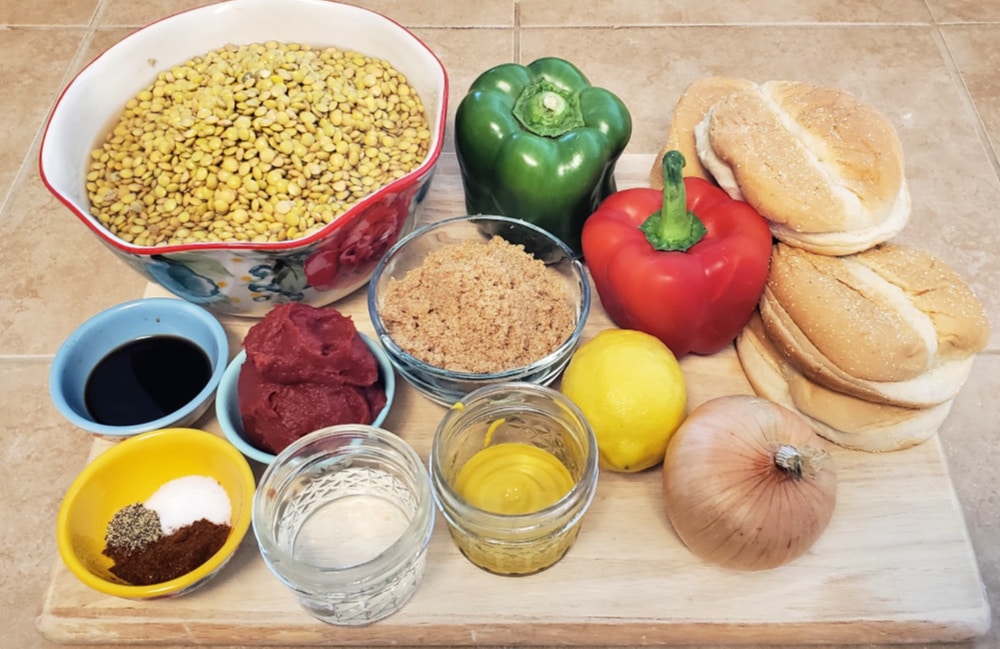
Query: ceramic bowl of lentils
{"points": [[252, 152], [156, 515]]}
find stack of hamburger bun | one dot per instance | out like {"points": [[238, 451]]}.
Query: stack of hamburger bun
{"points": [[868, 339], [871, 348], [824, 169]]}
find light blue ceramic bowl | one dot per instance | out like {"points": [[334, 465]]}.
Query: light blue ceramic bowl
{"points": [[103, 333], [227, 402]]}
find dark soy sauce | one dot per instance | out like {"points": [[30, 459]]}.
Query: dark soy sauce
{"points": [[145, 379]]}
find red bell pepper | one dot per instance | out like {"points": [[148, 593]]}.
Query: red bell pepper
{"points": [[687, 265]]}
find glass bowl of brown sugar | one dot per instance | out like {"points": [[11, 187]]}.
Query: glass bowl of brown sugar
{"points": [[477, 300]]}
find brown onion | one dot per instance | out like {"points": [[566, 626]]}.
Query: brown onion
{"points": [[747, 483]]}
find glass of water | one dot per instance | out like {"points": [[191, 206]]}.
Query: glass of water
{"points": [[343, 517]]}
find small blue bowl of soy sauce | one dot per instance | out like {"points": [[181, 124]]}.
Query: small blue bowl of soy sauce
{"points": [[139, 366]]}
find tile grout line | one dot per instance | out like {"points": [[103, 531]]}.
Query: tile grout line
{"points": [[968, 100], [34, 150], [517, 32], [735, 25]]}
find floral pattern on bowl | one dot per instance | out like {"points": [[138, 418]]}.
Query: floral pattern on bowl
{"points": [[238, 278], [251, 282]]}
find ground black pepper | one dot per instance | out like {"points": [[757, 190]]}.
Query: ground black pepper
{"points": [[133, 527], [169, 556]]}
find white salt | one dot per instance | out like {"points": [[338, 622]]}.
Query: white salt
{"points": [[182, 501], [349, 531]]}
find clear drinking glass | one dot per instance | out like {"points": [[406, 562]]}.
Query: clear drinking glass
{"points": [[514, 544], [343, 517]]}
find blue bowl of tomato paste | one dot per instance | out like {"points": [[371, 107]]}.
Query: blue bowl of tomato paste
{"points": [[227, 402]]}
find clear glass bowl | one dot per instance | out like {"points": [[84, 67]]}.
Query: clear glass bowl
{"points": [[343, 517], [523, 413], [446, 386]]}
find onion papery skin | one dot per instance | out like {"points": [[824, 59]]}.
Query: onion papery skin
{"points": [[725, 496]]}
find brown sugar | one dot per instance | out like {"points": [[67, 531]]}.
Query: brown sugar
{"points": [[479, 307]]}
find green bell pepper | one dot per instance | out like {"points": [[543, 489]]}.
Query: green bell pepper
{"points": [[540, 143]]}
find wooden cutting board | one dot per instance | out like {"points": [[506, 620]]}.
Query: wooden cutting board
{"points": [[895, 564]]}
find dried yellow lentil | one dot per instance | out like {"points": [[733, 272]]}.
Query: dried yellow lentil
{"points": [[264, 142]]}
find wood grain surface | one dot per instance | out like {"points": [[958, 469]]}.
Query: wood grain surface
{"points": [[895, 565]]}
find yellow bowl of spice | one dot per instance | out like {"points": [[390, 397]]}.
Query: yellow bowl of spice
{"points": [[156, 515], [471, 301]]}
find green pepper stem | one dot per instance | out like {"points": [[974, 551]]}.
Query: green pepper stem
{"points": [[673, 227], [545, 109]]}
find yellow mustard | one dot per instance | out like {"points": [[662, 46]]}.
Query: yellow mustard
{"points": [[514, 467], [513, 478]]}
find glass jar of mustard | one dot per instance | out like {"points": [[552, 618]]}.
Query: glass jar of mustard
{"points": [[343, 517], [513, 469]]}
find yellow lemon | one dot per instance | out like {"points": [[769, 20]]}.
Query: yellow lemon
{"points": [[632, 390]]}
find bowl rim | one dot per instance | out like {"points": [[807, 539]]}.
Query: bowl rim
{"points": [[400, 356], [233, 429], [214, 12], [182, 308], [238, 527]]}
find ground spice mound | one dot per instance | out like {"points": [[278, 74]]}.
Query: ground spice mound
{"points": [[169, 556], [479, 307], [133, 527]]}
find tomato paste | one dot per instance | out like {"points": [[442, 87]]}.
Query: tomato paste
{"points": [[306, 368]]}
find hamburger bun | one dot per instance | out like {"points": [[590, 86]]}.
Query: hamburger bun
{"points": [[691, 108], [825, 169], [843, 419], [892, 324]]}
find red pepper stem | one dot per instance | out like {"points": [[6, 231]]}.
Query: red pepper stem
{"points": [[673, 227]]}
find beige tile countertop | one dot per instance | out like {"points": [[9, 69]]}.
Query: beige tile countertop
{"points": [[932, 66]]}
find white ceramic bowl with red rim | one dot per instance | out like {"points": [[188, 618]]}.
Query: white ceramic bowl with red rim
{"points": [[241, 278]]}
